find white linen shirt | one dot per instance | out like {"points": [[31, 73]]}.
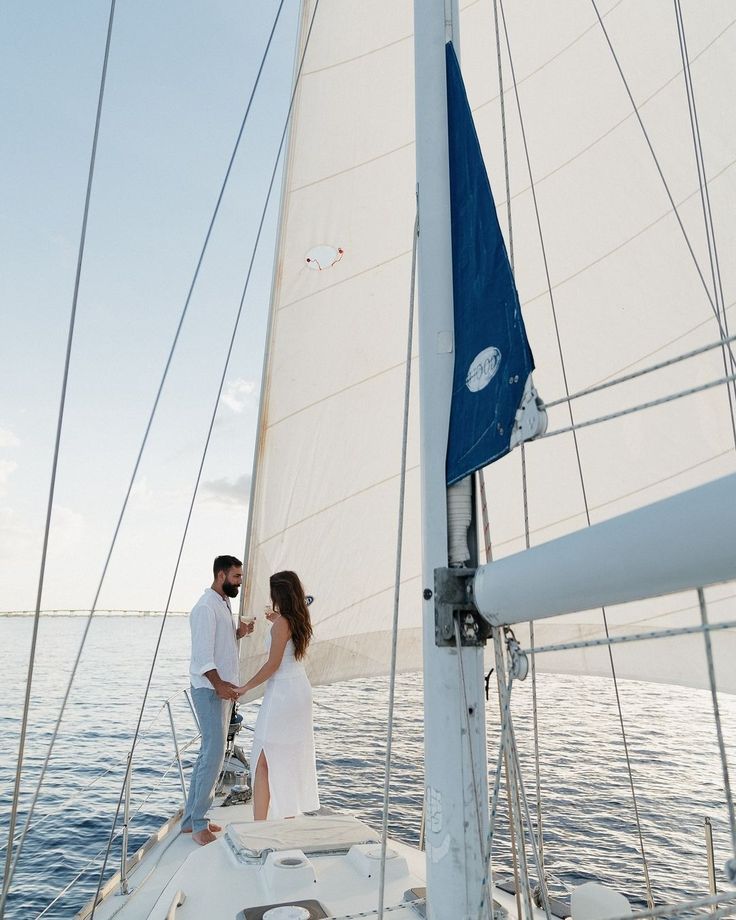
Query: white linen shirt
{"points": [[213, 640]]}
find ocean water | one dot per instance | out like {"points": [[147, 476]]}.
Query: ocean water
{"points": [[588, 822]]}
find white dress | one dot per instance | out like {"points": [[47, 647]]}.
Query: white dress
{"points": [[285, 734]]}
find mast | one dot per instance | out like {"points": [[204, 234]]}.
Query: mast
{"points": [[455, 779]]}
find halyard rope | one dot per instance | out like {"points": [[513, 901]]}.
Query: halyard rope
{"points": [[397, 581]]}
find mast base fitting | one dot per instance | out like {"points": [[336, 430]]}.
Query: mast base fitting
{"points": [[453, 602]]}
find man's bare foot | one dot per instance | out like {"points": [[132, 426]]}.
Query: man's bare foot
{"points": [[204, 837], [215, 828]]}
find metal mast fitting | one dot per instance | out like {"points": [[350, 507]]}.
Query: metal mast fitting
{"points": [[453, 601]]}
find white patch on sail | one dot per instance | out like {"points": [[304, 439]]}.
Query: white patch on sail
{"points": [[321, 257], [483, 369]]}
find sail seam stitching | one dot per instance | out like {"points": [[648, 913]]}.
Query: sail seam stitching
{"points": [[552, 172], [340, 501], [345, 389], [665, 214], [618, 498]]}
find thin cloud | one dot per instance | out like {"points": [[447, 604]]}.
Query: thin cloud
{"points": [[238, 393], [8, 439], [227, 491], [7, 468], [18, 544], [68, 527]]}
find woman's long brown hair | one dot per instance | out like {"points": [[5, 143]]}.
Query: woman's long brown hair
{"points": [[287, 595]]}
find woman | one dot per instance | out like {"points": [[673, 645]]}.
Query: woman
{"points": [[285, 782]]}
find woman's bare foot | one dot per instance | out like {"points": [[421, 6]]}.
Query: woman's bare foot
{"points": [[215, 828], [204, 837]]}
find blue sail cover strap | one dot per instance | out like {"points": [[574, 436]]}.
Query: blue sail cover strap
{"points": [[492, 354]]}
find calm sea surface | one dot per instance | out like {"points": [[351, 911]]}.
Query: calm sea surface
{"points": [[589, 829]]}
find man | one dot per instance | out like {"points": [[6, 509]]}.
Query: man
{"points": [[214, 674]]}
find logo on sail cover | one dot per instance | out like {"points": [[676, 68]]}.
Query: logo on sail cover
{"points": [[483, 369]]}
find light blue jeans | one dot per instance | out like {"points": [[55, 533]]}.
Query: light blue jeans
{"points": [[213, 714]]}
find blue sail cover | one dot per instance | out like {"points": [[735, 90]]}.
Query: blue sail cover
{"points": [[492, 354]]}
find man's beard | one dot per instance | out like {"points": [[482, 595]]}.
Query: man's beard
{"points": [[230, 590]]}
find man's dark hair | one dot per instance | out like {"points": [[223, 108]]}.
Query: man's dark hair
{"points": [[224, 564]]}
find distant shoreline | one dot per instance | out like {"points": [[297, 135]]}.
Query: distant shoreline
{"points": [[76, 614]]}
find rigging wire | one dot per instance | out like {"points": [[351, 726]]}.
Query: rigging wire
{"points": [[635, 637], [9, 872], [535, 849], [207, 441], [647, 370], [397, 581], [73, 882], [723, 332], [511, 776], [502, 750], [507, 173], [9, 863], [535, 713], [691, 391], [710, 234], [574, 434], [118, 834], [503, 757], [481, 473], [504, 700], [731, 865], [68, 802]]}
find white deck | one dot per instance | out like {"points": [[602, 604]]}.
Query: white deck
{"points": [[218, 885]]}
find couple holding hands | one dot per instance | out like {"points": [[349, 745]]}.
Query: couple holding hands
{"points": [[282, 759]]}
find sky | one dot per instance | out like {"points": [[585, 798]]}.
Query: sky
{"points": [[179, 78]]}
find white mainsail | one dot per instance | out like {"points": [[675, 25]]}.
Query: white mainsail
{"points": [[326, 495], [627, 293]]}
